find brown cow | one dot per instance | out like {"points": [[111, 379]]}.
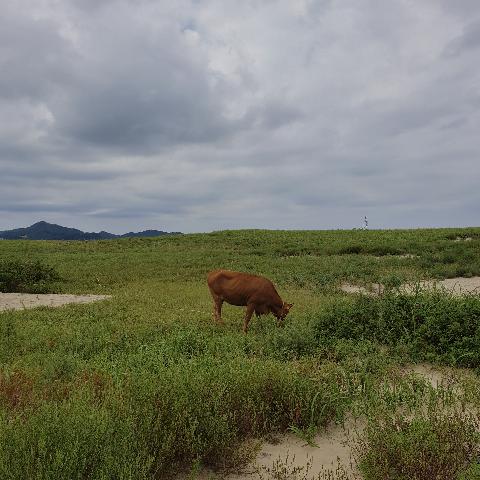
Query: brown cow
{"points": [[257, 293]]}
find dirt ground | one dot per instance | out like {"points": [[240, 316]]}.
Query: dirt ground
{"points": [[458, 286], [329, 448], [21, 301]]}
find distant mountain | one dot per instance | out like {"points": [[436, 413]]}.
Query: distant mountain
{"points": [[49, 231]]}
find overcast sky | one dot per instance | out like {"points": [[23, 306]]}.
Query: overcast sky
{"points": [[200, 115]]}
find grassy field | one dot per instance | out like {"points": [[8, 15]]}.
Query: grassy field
{"points": [[145, 384]]}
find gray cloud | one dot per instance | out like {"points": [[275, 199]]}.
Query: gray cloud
{"points": [[132, 114], [36, 59], [467, 41]]}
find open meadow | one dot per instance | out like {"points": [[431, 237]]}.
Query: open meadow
{"points": [[145, 385]]}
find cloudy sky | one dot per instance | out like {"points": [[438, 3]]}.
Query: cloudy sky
{"points": [[200, 115]]}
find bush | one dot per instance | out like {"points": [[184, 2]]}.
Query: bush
{"points": [[28, 277], [433, 325], [433, 445]]}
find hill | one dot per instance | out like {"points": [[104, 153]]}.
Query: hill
{"points": [[50, 231]]}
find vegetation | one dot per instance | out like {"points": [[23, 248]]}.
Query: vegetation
{"points": [[430, 325], [28, 277], [146, 384], [436, 445]]}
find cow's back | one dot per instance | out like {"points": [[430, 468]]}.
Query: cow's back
{"points": [[240, 288]]}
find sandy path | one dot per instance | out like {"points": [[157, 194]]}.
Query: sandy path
{"points": [[457, 286], [21, 301]]}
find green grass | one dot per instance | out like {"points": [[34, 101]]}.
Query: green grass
{"points": [[430, 325], [303, 259], [145, 384]]}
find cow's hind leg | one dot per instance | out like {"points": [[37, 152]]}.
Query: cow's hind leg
{"points": [[248, 315], [217, 308]]}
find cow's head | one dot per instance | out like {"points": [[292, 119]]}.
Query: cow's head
{"points": [[283, 312]]}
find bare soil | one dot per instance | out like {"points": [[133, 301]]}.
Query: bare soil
{"points": [[21, 301], [329, 447], [458, 286]]}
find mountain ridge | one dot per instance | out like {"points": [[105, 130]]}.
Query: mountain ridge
{"points": [[50, 231]]}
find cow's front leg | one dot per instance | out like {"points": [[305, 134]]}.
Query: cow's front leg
{"points": [[248, 315]]}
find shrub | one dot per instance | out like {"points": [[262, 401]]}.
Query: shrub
{"points": [[434, 325], [433, 445], [27, 276]]}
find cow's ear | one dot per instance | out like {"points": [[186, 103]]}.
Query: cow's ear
{"points": [[289, 306]]}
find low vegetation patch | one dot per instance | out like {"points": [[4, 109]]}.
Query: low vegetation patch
{"points": [[27, 276], [377, 250], [431, 325], [437, 445]]}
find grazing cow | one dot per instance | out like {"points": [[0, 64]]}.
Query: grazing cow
{"points": [[256, 293]]}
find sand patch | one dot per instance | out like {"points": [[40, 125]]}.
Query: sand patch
{"points": [[403, 256], [435, 376], [332, 446], [443, 376], [457, 286], [375, 288], [21, 301]]}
